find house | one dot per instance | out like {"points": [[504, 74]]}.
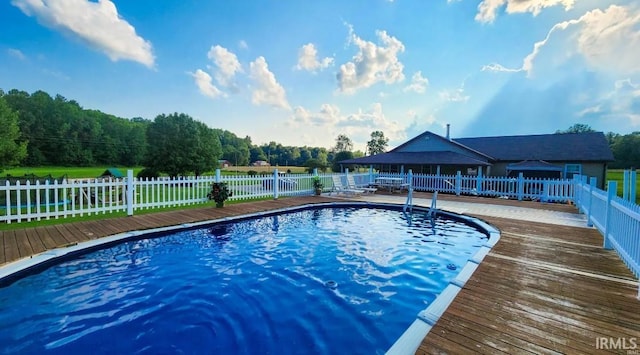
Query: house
{"points": [[223, 163], [543, 155], [260, 163]]}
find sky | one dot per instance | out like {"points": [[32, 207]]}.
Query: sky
{"points": [[302, 72]]}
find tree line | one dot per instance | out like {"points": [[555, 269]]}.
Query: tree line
{"points": [[39, 130]]}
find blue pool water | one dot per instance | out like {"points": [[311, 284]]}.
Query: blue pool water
{"points": [[333, 280]]}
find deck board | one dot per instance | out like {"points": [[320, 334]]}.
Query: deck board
{"points": [[543, 289]]}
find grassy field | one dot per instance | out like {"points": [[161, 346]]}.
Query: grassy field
{"points": [[93, 172], [617, 175], [71, 172], [264, 169]]}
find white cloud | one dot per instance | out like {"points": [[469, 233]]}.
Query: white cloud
{"points": [[328, 115], [456, 95], [418, 83], [226, 65], [16, 53], [267, 91], [495, 67], [96, 23], [372, 64], [308, 59], [488, 9], [358, 126], [606, 41], [243, 44], [205, 85]]}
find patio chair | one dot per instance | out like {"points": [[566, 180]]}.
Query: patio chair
{"points": [[351, 183], [340, 188]]}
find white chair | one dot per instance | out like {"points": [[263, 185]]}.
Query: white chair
{"points": [[351, 183], [340, 188]]}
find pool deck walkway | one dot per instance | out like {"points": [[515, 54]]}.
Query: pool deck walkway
{"points": [[547, 287]]}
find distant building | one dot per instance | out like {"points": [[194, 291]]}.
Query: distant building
{"points": [[224, 163], [260, 163], [543, 155]]}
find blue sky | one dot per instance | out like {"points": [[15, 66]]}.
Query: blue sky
{"points": [[301, 72]]}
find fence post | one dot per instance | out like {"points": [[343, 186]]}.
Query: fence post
{"points": [[370, 174], [458, 182], [520, 186], [129, 192], [625, 185], [479, 181], [611, 193], [217, 179], [275, 184], [634, 184], [315, 171], [592, 184]]}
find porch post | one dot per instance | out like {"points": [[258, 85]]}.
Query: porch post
{"points": [[370, 174]]}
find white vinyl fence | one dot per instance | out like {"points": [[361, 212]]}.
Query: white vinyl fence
{"points": [[21, 202], [616, 218]]}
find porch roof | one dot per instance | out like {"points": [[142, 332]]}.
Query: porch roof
{"points": [[533, 165]]}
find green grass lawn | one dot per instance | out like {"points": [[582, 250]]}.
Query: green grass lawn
{"points": [[71, 172], [618, 176]]}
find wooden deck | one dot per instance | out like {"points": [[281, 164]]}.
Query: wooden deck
{"points": [[542, 289]]}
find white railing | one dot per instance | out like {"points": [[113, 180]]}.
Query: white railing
{"points": [[70, 198], [520, 188], [616, 218]]}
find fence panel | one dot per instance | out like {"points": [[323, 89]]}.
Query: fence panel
{"points": [[622, 231]]}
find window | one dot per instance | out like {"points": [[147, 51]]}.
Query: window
{"points": [[572, 169]]}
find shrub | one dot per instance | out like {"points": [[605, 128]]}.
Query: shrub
{"points": [[219, 192], [148, 173]]}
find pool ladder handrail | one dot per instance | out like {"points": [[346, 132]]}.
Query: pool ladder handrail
{"points": [[408, 205], [433, 209]]}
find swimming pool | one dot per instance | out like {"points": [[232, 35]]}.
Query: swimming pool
{"points": [[311, 281]]}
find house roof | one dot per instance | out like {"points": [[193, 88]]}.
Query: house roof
{"points": [[450, 142], [418, 158], [533, 165], [592, 146], [112, 172]]}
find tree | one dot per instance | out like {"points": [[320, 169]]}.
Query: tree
{"points": [[315, 164], [343, 144], [209, 150], [340, 156], [626, 150], [180, 145], [12, 151], [577, 128], [378, 143]]}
